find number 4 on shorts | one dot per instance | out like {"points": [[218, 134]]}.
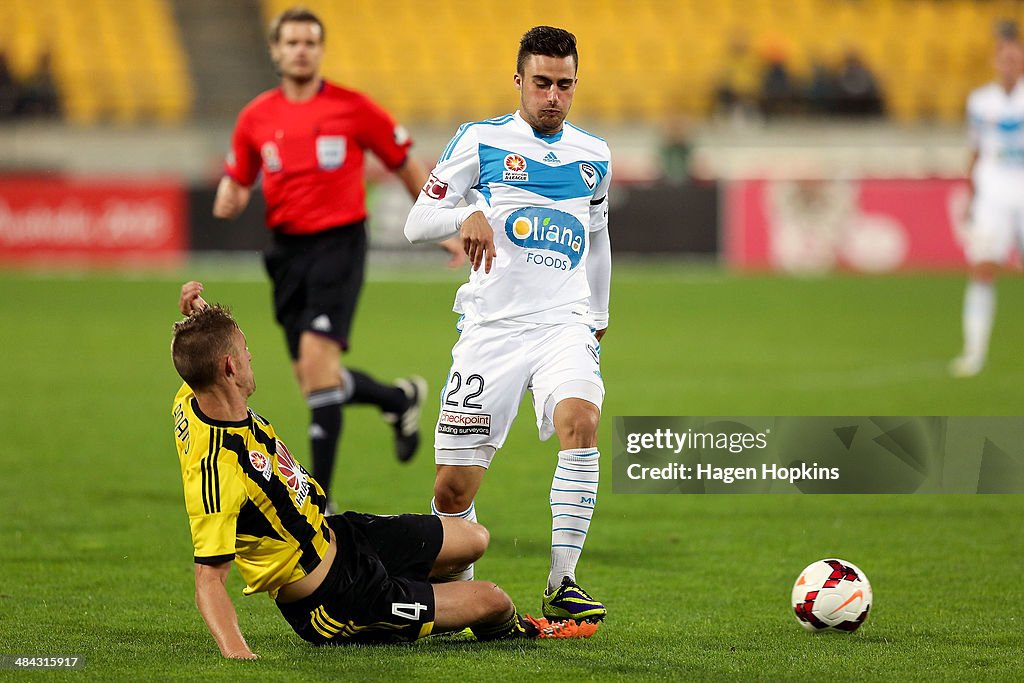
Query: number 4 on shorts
{"points": [[407, 610]]}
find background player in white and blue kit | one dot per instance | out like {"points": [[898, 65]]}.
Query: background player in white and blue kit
{"points": [[995, 114], [534, 226]]}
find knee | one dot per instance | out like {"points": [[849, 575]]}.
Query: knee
{"points": [[313, 373], [579, 428], [451, 498], [477, 540], [468, 538], [494, 602]]}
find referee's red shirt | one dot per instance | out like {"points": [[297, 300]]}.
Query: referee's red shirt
{"points": [[311, 155]]}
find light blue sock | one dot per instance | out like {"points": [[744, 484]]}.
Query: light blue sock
{"points": [[573, 497]]}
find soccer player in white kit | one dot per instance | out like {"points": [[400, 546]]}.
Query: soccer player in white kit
{"points": [[995, 114], [534, 226]]}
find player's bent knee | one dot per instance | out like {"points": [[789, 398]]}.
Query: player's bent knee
{"points": [[450, 497], [579, 425], [586, 421], [465, 542], [314, 375], [494, 602], [479, 538], [472, 539]]}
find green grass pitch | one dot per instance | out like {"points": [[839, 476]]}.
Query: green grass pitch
{"points": [[94, 544]]}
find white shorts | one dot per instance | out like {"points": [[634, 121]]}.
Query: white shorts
{"points": [[996, 223], [494, 364]]}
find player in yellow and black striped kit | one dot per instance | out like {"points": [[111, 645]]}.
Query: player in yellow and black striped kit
{"points": [[345, 578], [242, 483]]}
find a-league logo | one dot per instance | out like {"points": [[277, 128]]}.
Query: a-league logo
{"points": [[515, 169], [260, 463]]}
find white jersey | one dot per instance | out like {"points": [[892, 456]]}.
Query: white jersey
{"points": [[996, 128], [543, 196]]}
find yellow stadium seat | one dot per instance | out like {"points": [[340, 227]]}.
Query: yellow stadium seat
{"points": [[107, 56], [644, 59]]}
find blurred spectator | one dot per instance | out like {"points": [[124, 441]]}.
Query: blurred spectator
{"points": [[1006, 29], [8, 89], [820, 92], [857, 91], [38, 93], [778, 93], [736, 91], [676, 151]]}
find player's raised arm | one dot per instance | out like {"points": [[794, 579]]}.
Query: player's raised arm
{"points": [[218, 612], [190, 300]]}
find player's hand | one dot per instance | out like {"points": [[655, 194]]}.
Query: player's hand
{"points": [[456, 254], [478, 241], [190, 301], [600, 333]]}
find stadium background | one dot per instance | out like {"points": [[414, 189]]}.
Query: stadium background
{"points": [[803, 261], [148, 90]]}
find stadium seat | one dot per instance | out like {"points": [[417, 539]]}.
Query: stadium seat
{"points": [[642, 60], [647, 59], [112, 61]]}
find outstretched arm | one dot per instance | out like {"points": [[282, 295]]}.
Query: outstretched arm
{"points": [[218, 612]]}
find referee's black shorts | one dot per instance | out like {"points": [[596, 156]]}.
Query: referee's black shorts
{"points": [[378, 589], [317, 279]]}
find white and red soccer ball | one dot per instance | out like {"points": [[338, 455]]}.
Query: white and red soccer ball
{"points": [[832, 595]]}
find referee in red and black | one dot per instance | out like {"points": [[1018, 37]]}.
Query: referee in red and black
{"points": [[308, 138]]}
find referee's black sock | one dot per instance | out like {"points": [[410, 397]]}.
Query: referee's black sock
{"points": [[366, 389], [324, 431]]}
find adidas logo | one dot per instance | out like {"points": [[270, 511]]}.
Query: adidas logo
{"points": [[321, 323], [550, 158]]}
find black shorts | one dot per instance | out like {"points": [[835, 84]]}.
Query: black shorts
{"points": [[378, 589], [317, 279]]}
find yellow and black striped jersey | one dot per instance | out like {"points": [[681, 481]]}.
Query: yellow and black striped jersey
{"points": [[247, 498]]}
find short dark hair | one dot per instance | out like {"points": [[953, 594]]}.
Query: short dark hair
{"points": [[1006, 29], [200, 342], [548, 41], [293, 14]]}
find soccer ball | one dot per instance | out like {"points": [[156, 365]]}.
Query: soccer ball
{"points": [[831, 595]]}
